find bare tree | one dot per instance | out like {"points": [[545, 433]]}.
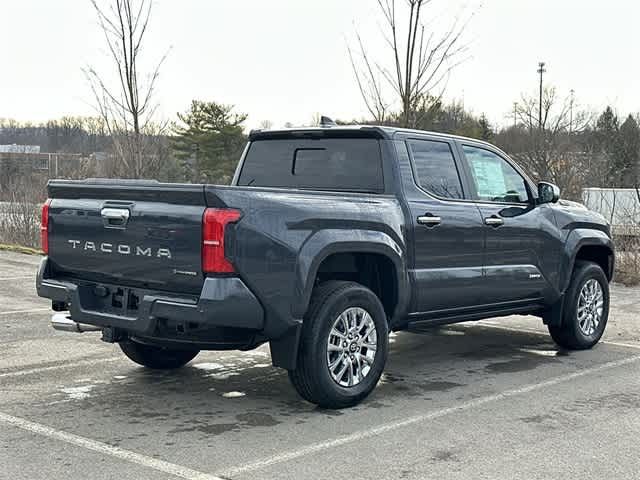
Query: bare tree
{"points": [[128, 107], [549, 149], [370, 85], [416, 68], [316, 119], [20, 213]]}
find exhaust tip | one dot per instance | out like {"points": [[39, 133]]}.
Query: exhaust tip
{"points": [[63, 323]]}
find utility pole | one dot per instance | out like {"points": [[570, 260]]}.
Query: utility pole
{"points": [[541, 71], [515, 114], [573, 92]]}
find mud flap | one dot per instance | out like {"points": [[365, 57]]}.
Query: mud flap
{"points": [[553, 315], [284, 350]]}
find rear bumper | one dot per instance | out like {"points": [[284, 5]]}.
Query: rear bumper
{"points": [[226, 311]]}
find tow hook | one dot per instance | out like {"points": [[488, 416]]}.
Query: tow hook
{"points": [[113, 335]]}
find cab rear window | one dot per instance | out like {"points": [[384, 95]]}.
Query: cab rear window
{"points": [[340, 164]]}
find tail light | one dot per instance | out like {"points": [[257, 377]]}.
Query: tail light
{"points": [[214, 222], [44, 227]]}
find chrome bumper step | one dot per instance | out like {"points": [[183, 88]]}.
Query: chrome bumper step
{"points": [[61, 321]]}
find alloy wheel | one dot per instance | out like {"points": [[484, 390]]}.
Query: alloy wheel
{"points": [[590, 306], [351, 347]]}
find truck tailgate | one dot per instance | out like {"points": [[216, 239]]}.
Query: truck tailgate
{"points": [[135, 233]]}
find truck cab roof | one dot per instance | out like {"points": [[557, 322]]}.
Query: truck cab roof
{"points": [[360, 131]]}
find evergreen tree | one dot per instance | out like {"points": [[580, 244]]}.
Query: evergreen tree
{"points": [[605, 145], [209, 141], [486, 132], [627, 153], [607, 131]]}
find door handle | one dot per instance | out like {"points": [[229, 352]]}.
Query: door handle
{"points": [[429, 220], [493, 221], [115, 217], [115, 213]]}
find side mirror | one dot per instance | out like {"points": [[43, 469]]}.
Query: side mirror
{"points": [[548, 192]]}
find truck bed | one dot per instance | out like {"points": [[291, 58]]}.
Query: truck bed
{"points": [[278, 241]]}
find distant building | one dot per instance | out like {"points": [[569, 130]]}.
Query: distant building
{"points": [[620, 206], [52, 165], [19, 148]]}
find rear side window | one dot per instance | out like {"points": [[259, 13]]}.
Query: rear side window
{"points": [[342, 164], [435, 168]]}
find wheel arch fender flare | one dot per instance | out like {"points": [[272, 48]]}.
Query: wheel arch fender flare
{"points": [[329, 242], [576, 240]]}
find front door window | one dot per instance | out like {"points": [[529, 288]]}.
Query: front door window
{"points": [[494, 178]]}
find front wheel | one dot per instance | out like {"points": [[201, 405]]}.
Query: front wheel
{"points": [[586, 308], [157, 357], [344, 345]]}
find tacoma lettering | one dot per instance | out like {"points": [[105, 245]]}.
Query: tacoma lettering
{"points": [[121, 249]]}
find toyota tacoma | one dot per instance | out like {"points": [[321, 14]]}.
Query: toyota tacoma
{"points": [[327, 239]]}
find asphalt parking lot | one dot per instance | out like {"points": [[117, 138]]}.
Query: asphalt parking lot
{"points": [[494, 399]]}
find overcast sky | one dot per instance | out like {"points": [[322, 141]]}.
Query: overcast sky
{"points": [[284, 60]]}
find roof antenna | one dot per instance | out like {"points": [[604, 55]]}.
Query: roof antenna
{"points": [[326, 122]]}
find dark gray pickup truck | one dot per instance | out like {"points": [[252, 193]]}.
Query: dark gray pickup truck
{"points": [[328, 239]]}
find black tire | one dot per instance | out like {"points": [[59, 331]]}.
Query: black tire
{"points": [[312, 378], [569, 335], [156, 357]]}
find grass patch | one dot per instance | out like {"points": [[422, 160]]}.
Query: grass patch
{"points": [[21, 249]]}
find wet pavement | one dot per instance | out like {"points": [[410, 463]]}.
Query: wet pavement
{"points": [[492, 399]]}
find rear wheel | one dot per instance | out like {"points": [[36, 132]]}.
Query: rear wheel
{"points": [[344, 345], [586, 308], [157, 357]]}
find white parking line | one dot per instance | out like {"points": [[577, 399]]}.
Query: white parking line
{"points": [[69, 364], [21, 277], [106, 449], [621, 344], [541, 332], [381, 429], [33, 310], [486, 323]]}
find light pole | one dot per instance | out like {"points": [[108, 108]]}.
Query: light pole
{"points": [[573, 92], [541, 71]]}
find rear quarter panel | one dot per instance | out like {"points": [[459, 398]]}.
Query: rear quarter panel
{"points": [[283, 236]]}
